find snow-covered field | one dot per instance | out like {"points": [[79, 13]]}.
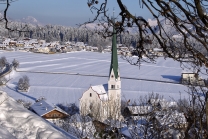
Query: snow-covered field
{"points": [[65, 88]]}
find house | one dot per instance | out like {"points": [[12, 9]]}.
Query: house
{"points": [[158, 52], [67, 43], [33, 42], [6, 42], [48, 111], [20, 44], [138, 110], [2, 46], [94, 49], [12, 43], [188, 77], [41, 41], [88, 48], [103, 101], [43, 50], [29, 48], [80, 44]]}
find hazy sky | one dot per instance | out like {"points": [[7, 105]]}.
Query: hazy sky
{"points": [[65, 12]]}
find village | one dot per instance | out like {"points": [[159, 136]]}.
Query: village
{"points": [[41, 46], [100, 109]]}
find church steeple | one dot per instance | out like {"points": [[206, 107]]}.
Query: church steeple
{"points": [[114, 56]]}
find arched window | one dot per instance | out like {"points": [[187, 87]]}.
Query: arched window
{"points": [[90, 94]]}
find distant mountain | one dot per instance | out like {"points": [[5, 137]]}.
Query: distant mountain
{"points": [[131, 30], [30, 20]]}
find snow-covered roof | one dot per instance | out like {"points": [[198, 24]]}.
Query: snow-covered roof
{"points": [[188, 72], [80, 44], [157, 50], [42, 108], [143, 109], [2, 45], [101, 90], [29, 47]]}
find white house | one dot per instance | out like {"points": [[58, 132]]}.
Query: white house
{"points": [[103, 101], [193, 78]]}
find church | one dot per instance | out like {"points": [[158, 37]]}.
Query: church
{"points": [[104, 101]]}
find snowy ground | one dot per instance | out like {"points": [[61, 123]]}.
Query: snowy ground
{"points": [[64, 88]]}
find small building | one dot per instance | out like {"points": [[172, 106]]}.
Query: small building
{"points": [[41, 41], [12, 43], [80, 44], [2, 46], [137, 110], [192, 78], [48, 111], [158, 52], [20, 44]]}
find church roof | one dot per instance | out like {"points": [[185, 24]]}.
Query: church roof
{"points": [[101, 90], [114, 56]]}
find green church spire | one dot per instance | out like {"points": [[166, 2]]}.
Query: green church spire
{"points": [[114, 56]]}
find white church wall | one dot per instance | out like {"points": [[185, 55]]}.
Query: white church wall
{"points": [[89, 101]]}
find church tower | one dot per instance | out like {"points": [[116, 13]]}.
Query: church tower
{"points": [[114, 81]]}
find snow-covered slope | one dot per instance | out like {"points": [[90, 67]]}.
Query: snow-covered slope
{"points": [[18, 122]]}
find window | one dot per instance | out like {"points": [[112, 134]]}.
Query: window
{"points": [[90, 94], [112, 76], [112, 86]]}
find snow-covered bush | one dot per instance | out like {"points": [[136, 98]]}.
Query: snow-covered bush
{"points": [[3, 62], [2, 80], [23, 83], [15, 64], [26, 104]]}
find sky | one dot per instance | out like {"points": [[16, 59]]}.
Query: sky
{"points": [[65, 12]]}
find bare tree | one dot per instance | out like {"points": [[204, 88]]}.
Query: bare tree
{"points": [[187, 18]]}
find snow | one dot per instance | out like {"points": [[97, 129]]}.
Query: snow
{"points": [[144, 109], [4, 134], [18, 122], [42, 108], [100, 89], [62, 78]]}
